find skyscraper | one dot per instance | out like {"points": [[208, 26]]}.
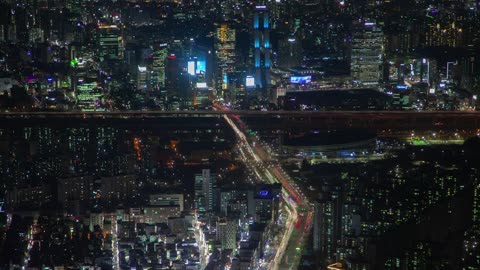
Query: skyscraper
{"points": [[326, 225], [204, 185], [227, 233], [262, 46], [109, 42], [367, 51], [267, 202], [225, 51], [158, 67], [471, 248], [142, 78], [289, 52], [89, 96]]}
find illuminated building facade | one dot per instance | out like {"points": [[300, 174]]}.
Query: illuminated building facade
{"points": [[142, 77], [109, 42], [262, 46], [204, 185], [367, 51], [471, 241], [172, 73], [327, 224], [75, 188], [444, 35], [227, 233], [158, 67], [89, 96], [119, 188], [225, 52], [267, 202]]}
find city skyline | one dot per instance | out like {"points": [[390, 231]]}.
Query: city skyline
{"points": [[239, 135]]}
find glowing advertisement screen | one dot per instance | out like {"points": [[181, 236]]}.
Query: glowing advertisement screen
{"points": [[250, 81], [202, 85], [201, 67], [191, 67], [301, 79]]}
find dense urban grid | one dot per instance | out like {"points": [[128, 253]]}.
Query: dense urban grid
{"points": [[238, 135], [116, 55]]}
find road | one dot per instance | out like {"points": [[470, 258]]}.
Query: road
{"points": [[374, 120], [260, 159], [209, 113]]}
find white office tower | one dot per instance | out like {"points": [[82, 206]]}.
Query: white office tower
{"points": [[367, 51]]}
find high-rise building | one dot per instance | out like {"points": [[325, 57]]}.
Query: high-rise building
{"points": [[326, 225], [2, 33], [367, 51], [472, 4], [476, 202], [109, 42], [12, 31], [77, 7], [204, 185], [95, 219], [172, 77], [267, 199], [89, 96], [118, 188], [262, 46], [158, 67], [471, 247], [440, 36], [74, 189], [142, 78], [227, 233], [417, 257], [236, 203], [225, 197], [225, 52], [36, 195], [471, 250], [289, 52]]}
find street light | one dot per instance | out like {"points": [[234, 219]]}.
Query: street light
{"points": [[448, 67]]}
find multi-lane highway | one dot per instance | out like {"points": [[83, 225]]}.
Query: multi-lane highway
{"points": [[378, 120], [246, 113], [261, 161]]}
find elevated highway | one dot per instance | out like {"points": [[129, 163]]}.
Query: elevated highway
{"points": [[294, 120]]}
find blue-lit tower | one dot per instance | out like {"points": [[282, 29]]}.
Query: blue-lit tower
{"points": [[262, 46]]}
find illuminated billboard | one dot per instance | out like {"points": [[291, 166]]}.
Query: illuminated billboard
{"points": [[202, 85], [196, 67], [250, 81], [201, 67], [300, 79], [142, 69], [225, 82], [402, 87], [264, 193], [191, 67]]}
